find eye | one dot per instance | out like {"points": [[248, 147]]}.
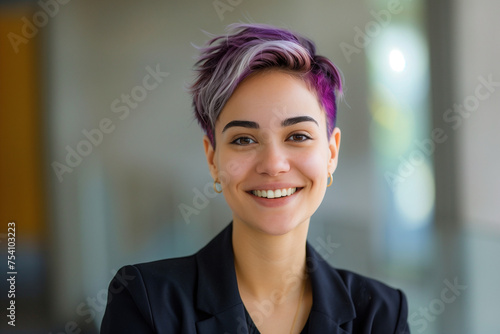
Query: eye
{"points": [[243, 141], [299, 137]]}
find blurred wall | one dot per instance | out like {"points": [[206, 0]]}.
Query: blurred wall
{"points": [[477, 54], [478, 91]]}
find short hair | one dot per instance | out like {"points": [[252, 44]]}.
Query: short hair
{"points": [[226, 60]]}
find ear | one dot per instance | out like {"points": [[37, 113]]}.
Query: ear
{"points": [[334, 146], [210, 154]]}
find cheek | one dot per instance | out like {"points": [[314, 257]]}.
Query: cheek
{"points": [[234, 166], [313, 164]]}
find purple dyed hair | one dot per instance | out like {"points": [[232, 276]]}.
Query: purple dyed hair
{"points": [[227, 60]]}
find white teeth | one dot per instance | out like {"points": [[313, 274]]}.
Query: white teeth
{"points": [[274, 193]]}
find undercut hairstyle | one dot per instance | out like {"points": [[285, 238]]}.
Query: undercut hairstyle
{"points": [[226, 60]]}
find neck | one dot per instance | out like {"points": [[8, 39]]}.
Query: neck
{"points": [[268, 265]]}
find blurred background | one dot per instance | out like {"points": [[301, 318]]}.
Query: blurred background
{"points": [[102, 164]]}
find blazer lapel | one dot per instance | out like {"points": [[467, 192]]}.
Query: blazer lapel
{"points": [[332, 304], [217, 291], [231, 321], [322, 323]]}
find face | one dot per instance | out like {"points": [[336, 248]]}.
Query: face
{"points": [[272, 153]]}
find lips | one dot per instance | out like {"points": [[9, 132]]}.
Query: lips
{"points": [[276, 193]]}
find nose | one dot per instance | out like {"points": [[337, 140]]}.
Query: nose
{"points": [[272, 160]]}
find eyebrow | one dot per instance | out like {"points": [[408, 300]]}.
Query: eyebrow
{"points": [[244, 124], [253, 125], [298, 119]]}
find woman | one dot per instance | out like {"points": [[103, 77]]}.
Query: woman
{"points": [[267, 104]]}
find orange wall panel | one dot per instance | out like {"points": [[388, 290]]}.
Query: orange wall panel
{"points": [[21, 174]]}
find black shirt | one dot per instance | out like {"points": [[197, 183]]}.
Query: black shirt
{"points": [[252, 329]]}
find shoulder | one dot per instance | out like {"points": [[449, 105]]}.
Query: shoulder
{"points": [[150, 296], [162, 296], [361, 304], [180, 269], [174, 279], [376, 304], [366, 291], [366, 295]]}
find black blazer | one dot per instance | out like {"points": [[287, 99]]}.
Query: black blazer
{"points": [[199, 294]]}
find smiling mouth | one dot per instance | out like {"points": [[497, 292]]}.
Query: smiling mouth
{"points": [[278, 193]]}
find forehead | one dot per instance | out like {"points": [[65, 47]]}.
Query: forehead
{"points": [[272, 95]]}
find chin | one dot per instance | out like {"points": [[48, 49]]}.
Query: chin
{"points": [[277, 227]]}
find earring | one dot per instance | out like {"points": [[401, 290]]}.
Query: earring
{"points": [[330, 176], [215, 187]]}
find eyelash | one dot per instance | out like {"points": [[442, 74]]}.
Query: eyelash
{"points": [[238, 140], [305, 137]]}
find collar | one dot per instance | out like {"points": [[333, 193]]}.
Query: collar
{"points": [[218, 296]]}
